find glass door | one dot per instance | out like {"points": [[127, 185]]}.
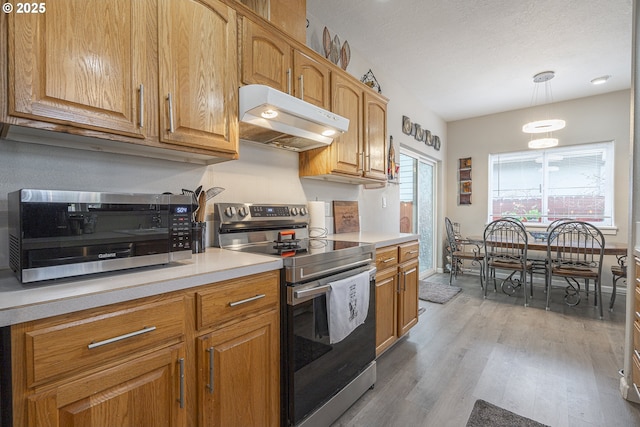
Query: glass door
{"points": [[417, 205]]}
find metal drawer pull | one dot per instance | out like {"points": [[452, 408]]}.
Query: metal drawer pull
{"points": [[210, 385], [388, 260], [637, 355], [637, 391], [412, 252], [244, 301], [170, 112], [181, 400], [409, 271], [121, 337], [141, 105], [638, 314]]}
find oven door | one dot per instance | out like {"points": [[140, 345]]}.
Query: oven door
{"points": [[315, 370]]}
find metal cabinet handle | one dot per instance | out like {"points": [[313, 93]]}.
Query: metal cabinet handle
{"points": [[181, 399], [302, 87], [368, 157], [121, 337], [412, 252], [289, 81], [361, 164], [638, 314], [637, 391], [244, 301], [637, 354], [210, 385], [388, 260], [141, 105], [170, 112]]}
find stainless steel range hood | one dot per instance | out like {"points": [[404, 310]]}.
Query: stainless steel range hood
{"points": [[281, 120]]}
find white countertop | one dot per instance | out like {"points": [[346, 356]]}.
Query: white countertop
{"points": [[21, 303], [380, 239]]}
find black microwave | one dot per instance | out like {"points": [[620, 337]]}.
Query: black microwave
{"points": [[55, 234]]}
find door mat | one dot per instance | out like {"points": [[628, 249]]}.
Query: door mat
{"points": [[436, 292], [485, 414]]}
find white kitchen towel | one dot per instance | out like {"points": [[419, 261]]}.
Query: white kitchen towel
{"points": [[347, 305]]}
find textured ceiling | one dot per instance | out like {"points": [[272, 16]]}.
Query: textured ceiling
{"points": [[467, 58]]}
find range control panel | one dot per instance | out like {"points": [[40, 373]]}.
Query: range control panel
{"points": [[232, 212]]}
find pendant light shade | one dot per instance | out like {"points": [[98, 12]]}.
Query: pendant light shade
{"points": [[545, 126]]}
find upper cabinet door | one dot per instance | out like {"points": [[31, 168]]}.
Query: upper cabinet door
{"points": [[346, 100], [198, 74], [266, 58], [311, 80], [375, 137], [76, 64]]}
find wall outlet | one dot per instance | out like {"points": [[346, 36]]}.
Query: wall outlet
{"points": [[327, 208]]}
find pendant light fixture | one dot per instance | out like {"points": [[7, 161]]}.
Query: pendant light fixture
{"points": [[543, 128]]}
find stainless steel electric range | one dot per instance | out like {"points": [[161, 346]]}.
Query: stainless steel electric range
{"points": [[320, 380]]}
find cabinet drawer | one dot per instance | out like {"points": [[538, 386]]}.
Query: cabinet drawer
{"points": [[237, 299], [409, 251], [386, 257], [82, 341]]}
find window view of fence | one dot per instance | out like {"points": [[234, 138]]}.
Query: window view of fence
{"points": [[542, 186]]}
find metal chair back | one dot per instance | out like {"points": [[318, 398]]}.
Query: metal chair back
{"points": [[575, 250], [505, 247]]}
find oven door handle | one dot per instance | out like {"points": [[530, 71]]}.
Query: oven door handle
{"points": [[312, 292], [343, 267]]}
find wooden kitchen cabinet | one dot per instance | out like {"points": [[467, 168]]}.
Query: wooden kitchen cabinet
{"points": [[270, 60], [288, 15], [358, 155], [198, 74], [238, 352], [161, 73], [139, 392], [119, 365], [239, 374], [147, 362], [81, 63], [396, 293]]}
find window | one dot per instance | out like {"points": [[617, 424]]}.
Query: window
{"points": [[544, 185]]}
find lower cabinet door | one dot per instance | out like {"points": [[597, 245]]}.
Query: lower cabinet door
{"points": [[239, 374], [145, 391], [408, 300], [386, 309]]}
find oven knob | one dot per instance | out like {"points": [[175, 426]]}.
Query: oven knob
{"points": [[294, 211], [303, 211], [230, 211], [243, 212]]}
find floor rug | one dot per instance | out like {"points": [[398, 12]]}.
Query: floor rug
{"points": [[485, 414], [436, 292]]}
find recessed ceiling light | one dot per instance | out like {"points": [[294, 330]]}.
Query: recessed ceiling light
{"points": [[600, 80]]}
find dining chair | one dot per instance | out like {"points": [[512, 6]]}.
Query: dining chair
{"points": [[505, 248], [540, 262], [574, 253], [618, 271], [458, 252]]}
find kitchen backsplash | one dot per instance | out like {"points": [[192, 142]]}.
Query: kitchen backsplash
{"points": [[262, 174]]}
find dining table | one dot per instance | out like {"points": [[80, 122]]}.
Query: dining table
{"points": [[610, 248]]}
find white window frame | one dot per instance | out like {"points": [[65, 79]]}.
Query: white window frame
{"points": [[609, 193]]}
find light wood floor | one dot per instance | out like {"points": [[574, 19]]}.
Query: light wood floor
{"points": [[559, 367]]}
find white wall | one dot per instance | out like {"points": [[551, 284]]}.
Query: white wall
{"points": [[593, 119]]}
